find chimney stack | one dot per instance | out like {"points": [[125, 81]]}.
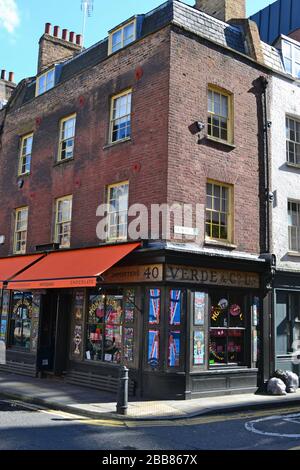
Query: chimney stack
{"points": [[224, 10], [7, 86], [57, 47]]}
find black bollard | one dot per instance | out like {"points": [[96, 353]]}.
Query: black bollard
{"points": [[122, 403]]}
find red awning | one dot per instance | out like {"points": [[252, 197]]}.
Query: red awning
{"points": [[72, 268], [12, 266]]}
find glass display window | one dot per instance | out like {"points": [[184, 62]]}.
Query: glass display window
{"points": [[110, 331], [20, 321]]}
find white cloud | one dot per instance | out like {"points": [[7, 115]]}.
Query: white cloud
{"points": [[9, 15]]}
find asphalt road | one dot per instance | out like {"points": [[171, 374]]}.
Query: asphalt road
{"points": [[22, 428]]}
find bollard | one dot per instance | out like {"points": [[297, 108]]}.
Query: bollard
{"points": [[122, 403]]}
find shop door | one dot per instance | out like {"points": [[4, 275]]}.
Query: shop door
{"points": [[47, 332], [52, 356]]}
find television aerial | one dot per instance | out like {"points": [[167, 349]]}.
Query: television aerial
{"points": [[87, 7]]}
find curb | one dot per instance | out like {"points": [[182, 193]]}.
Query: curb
{"points": [[226, 409]]}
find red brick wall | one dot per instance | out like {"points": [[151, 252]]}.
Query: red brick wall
{"points": [[93, 167], [193, 67]]}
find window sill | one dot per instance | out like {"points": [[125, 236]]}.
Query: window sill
{"points": [[220, 244], [295, 254], [293, 165], [220, 141], [112, 144], [61, 162]]}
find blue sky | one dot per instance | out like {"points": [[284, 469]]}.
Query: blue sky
{"points": [[22, 24]]}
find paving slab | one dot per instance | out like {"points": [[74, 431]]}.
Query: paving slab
{"points": [[95, 404]]}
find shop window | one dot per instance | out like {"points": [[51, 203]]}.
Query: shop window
{"points": [[219, 208], [292, 141], [25, 155], [174, 335], [287, 321], [118, 211], [227, 330], [220, 125], [20, 235], [154, 314], [45, 82], [111, 328], [199, 303], [67, 138], [20, 321], [122, 36], [4, 315], [63, 219], [294, 225], [120, 118]]}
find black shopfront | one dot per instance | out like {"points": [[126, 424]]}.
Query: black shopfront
{"points": [[185, 325]]}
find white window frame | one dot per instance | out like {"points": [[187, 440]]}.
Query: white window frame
{"points": [[295, 228], [113, 119], [292, 57], [20, 233], [295, 144], [61, 224], [49, 82], [115, 213]]}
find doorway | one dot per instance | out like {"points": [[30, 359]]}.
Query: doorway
{"points": [[54, 332]]}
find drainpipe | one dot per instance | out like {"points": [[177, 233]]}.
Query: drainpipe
{"points": [[268, 304]]}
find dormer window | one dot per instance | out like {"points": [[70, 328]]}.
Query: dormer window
{"points": [[45, 82], [291, 58], [122, 36]]}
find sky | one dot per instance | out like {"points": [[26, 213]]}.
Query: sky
{"points": [[22, 23]]}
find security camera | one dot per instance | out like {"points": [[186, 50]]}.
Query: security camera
{"points": [[200, 126], [269, 124], [271, 197]]}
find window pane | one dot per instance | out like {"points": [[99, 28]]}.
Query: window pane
{"points": [[175, 307], [218, 347], [199, 348], [153, 348], [174, 349], [154, 306], [129, 34]]}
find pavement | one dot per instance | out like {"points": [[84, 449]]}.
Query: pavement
{"points": [[58, 395]]}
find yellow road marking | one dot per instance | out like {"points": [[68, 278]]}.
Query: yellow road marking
{"points": [[163, 423]]}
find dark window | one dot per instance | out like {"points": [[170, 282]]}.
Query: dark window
{"points": [[20, 323]]}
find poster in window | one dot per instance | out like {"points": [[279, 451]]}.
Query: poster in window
{"points": [[153, 348], [128, 344], [113, 343], [154, 306], [199, 308], [34, 335], [78, 305], [36, 303], [113, 313], [174, 349], [96, 309], [175, 307], [199, 348], [77, 340], [129, 306], [5, 303], [255, 311], [3, 327]]}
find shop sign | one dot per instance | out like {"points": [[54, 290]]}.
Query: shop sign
{"points": [[216, 277], [128, 274]]}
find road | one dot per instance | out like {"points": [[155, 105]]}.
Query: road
{"points": [[23, 428]]}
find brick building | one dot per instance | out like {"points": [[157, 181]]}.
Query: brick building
{"points": [[168, 109]]}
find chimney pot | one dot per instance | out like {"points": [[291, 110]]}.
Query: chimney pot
{"points": [[3, 74], [11, 77], [56, 31], [72, 36], [48, 28], [79, 40], [65, 34]]}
